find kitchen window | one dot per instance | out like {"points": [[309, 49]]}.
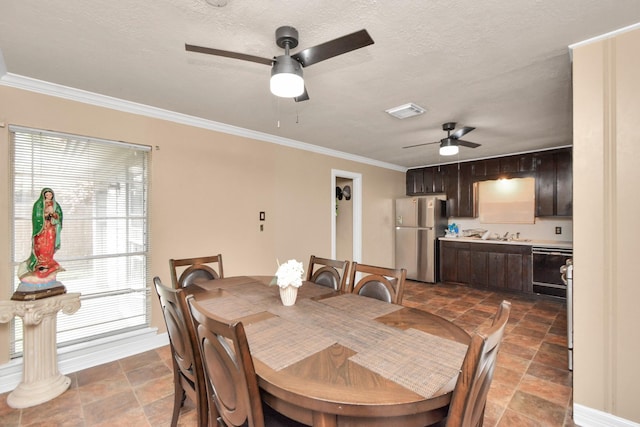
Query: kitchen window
{"points": [[102, 188]]}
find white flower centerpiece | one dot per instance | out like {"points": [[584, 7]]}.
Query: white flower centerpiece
{"points": [[289, 279]]}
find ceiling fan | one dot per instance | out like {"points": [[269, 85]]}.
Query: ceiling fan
{"points": [[286, 70], [450, 145]]}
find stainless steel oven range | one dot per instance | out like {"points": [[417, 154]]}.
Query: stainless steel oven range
{"points": [[547, 261]]}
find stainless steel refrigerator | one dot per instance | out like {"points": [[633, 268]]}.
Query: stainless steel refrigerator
{"points": [[419, 223]]}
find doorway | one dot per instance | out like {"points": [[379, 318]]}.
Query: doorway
{"points": [[346, 215]]}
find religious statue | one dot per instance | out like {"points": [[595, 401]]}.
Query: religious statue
{"points": [[38, 273]]}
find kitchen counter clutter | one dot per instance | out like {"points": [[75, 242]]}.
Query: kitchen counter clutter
{"points": [[526, 242]]}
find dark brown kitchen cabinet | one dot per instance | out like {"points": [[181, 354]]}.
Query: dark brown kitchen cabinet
{"points": [[504, 167], [564, 183], [509, 165], [517, 166], [479, 266], [439, 178], [428, 177], [551, 169], [554, 183], [483, 168], [454, 262], [415, 181], [451, 186], [459, 189], [487, 265], [509, 267], [422, 181], [491, 167], [466, 191], [526, 163]]}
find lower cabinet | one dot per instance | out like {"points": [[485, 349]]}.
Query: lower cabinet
{"points": [[454, 262], [487, 265]]}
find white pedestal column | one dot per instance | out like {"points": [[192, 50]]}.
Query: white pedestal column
{"points": [[41, 379]]}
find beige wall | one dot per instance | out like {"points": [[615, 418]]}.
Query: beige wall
{"points": [[207, 189], [607, 225]]}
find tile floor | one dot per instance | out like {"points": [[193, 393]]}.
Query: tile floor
{"points": [[531, 384]]}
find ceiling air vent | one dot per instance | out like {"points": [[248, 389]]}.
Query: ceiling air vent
{"points": [[406, 110]]}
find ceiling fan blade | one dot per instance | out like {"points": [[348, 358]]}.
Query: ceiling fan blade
{"points": [[303, 97], [333, 48], [228, 54], [420, 145], [462, 132], [468, 144]]}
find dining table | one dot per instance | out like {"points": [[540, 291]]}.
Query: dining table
{"points": [[340, 359]]}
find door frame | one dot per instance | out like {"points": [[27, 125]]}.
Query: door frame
{"points": [[356, 197]]}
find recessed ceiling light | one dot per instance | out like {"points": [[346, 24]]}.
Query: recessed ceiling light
{"points": [[406, 110]]}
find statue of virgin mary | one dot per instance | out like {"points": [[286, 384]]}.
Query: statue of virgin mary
{"points": [[39, 271]]}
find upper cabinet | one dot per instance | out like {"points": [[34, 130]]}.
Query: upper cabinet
{"points": [[552, 170], [460, 189], [554, 183], [516, 166], [415, 181]]}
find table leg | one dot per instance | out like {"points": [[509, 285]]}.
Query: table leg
{"points": [[321, 419]]}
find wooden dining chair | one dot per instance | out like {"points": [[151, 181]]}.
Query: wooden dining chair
{"points": [[197, 269], [470, 393], [328, 272], [188, 374], [385, 284], [232, 384]]}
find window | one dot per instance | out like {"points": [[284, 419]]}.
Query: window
{"points": [[101, 187]]}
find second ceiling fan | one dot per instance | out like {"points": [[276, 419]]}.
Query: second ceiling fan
{"points": [[449, 145], [286, 70]]}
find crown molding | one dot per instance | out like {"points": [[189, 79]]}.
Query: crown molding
{"points": [[601, 37], [65, 92]]}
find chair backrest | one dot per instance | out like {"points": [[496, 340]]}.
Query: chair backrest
{"points": [[385, 284], [470, 394], [232, 384], [197, 269], [187, 364], [328, 272]]}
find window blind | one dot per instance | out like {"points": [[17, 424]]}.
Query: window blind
{"points": [[102, 188]]}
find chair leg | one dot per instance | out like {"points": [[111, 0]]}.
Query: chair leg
{"points": [[179, 395]]}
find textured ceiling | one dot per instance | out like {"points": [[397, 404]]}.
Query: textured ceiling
{"points": [[500, 66]]}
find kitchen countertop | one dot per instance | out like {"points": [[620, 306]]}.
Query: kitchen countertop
{"points": [[532, 242]]}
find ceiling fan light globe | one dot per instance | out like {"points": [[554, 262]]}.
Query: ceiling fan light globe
{"points": [[286, 77], [448, 147], [287, 85]]}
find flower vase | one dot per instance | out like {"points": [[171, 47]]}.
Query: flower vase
{"points": [[288, 295]]}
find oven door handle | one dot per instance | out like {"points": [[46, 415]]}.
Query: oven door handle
{"points": [[563, 274], [564, 269]]}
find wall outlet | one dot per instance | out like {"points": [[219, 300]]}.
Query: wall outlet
{"points": [[261, 227], [558, 230]]}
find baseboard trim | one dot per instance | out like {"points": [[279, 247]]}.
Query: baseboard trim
{"points": [[589, 417], [82, 356]]}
